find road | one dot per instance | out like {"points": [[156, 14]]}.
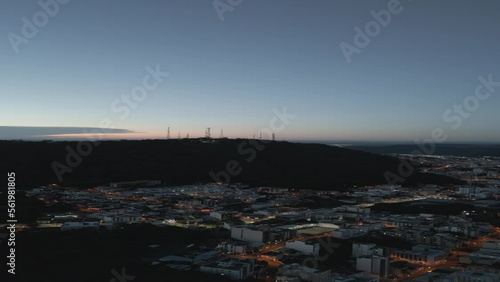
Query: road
{"points": [[271, 260], [453, 259], [280, 245]]}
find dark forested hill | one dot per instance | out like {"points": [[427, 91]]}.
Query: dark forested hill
{"points": [[284, 164]]}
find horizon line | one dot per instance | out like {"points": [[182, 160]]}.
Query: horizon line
{"points": [[321, 141]]}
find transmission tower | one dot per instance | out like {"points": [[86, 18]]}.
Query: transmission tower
{"points": [[168, 133]]}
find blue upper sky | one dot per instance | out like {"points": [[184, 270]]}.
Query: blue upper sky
{"points": [[230, 74]]}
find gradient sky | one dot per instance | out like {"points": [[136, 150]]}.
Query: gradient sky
{"points": [[231, 74]]}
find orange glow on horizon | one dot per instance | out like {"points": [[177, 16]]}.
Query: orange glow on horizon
{"points": [[161, 135]]}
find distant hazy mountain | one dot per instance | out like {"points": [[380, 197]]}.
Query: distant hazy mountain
{"points": [[284, 164], [465, 150]]}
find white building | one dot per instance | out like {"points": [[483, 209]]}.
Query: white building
{"points": [[124, 218], [221, 215], [310, 247], [360, 250], [373, 265], [244, 233], [75, 225], [353, 209], [235, 269], [420, 254], [356, 231], [467, 190], [237, 247]]}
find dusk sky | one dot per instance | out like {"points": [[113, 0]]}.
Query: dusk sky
{"points": [[230, 74]]}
